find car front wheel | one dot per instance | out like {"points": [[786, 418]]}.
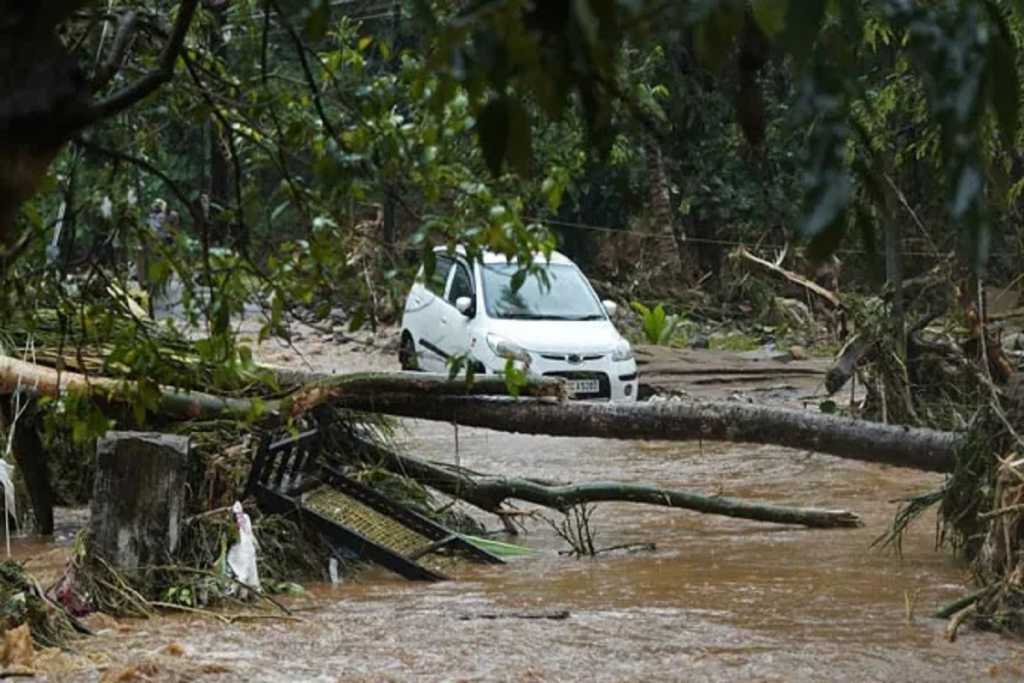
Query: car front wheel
{"points": [[407, 353]]}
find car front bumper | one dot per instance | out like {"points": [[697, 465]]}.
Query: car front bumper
{"points": [[617, 381]]}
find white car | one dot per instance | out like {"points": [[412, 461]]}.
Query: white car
{"points": [[563, 330]]}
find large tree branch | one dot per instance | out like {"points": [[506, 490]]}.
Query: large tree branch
{"points": [[488, 493], [130, 95], [125, 32], [923, 449], [434, 397]]}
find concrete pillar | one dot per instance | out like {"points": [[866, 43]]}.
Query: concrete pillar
{"points": [[138, 501]]}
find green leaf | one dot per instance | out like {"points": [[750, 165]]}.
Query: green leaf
{"points": [[770, 15], [515, 379], [455, 365], [493, 126], [518, 278]]}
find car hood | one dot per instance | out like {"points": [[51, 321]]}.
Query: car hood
{"points": [[558, 336]]}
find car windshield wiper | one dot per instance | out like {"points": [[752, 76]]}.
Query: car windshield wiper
{"points": [[541, 316], [531, 316], [589, 316]]}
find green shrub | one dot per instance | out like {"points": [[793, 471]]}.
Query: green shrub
{"points": [[659, 328]]}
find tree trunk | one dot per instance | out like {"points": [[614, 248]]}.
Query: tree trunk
{"points": [[220, 184], [434, 397], [138, 500], [110, 394], [488, 493], [319, 389], [662, 214], [923, 449], [894, 281]]}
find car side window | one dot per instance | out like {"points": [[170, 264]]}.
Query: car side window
{"points": [[439, 278], [461, 284]]}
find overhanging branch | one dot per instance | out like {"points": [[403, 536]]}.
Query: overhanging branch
{"points": [[129, 95], [125, 32]]}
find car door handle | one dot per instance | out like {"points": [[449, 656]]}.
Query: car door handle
{"points": [[444, 320]]}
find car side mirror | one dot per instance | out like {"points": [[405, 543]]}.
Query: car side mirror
{"points": [[610, 306], [464, 305]]}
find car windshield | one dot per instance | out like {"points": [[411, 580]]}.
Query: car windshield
{"points": [[567, 298]]}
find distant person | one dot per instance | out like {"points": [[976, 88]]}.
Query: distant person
{"points": [[156, 232], [155, 226], [172, 226]]}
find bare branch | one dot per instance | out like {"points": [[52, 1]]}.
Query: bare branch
{"points": [[128, 96], [125, 32], [314, 89]]}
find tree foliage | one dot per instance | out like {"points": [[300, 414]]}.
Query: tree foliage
{"points": [[310, 147]]}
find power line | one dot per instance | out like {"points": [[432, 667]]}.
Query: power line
{"points": [[696, 240], [693, 240]]}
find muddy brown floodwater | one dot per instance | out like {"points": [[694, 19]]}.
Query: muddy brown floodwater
{"points": [[719, 600]]}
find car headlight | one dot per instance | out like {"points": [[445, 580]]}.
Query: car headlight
{"points": [[622, 352], [503, 348]]}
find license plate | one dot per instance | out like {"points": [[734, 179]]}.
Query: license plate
{"points": [[584, 386]]}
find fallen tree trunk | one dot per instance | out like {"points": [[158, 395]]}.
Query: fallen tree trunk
{"points": [[435, 397], [923, 449], [489, 493], [364, 387], [39, 380]]}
